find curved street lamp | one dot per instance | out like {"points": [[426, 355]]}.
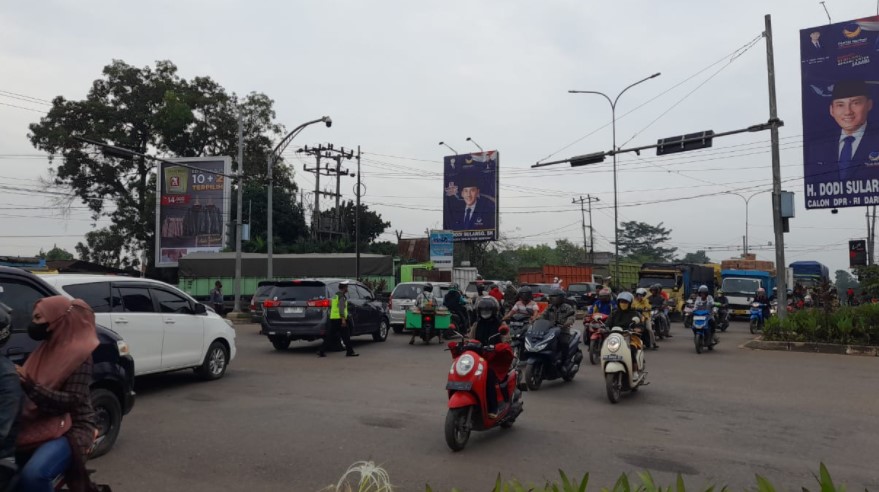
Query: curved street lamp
{"points": [[747, 200]]}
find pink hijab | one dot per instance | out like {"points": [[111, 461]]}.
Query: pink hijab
{"points": [[72, 339]]}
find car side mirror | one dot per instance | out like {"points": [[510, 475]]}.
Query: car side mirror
{"points": [[200, 308]]}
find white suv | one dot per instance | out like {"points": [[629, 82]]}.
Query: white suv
{"points": [[166, 329]]}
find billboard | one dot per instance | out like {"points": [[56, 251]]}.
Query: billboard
{"points": [[840, 81], [442, 249], [470, 196], [857, 253], [192, 207]]}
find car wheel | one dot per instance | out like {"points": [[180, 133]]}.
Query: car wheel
{"points": [[280, 343], [215, 362], [108, 419], [382, 334]]}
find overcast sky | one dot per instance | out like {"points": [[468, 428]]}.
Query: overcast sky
{"points": [[399, 76]]}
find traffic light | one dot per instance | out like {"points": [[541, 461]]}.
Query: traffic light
{"points": [[857, 253], [684, 143]]}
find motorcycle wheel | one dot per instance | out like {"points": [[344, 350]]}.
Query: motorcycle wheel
{"points": [[457, 428], [753, 327], [570, 377], [724, 326], [594, 353], [698, 341], [534, 376], [614, 385]]}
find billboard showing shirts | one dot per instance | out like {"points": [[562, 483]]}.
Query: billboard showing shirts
{"points": [[470, 196], [840, 82], [192, 207]]}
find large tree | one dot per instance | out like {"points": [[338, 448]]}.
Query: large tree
{"points": [[698, 257], [844, 280], [149, 110], [55, 254], [644, 242]]}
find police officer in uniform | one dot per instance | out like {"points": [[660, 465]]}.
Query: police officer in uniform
{"points": [[338, 323]]}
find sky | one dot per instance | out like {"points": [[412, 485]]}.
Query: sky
{"points": [[397, 77]]}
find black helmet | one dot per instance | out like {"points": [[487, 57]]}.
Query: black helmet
{"points": [[525, 294], [557, 296], [5, 324], [428, 288], [486, 308]]}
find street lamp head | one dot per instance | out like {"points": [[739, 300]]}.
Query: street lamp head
{"points": [[657, 74], [328, 121], [442, 143], [468, 139]]}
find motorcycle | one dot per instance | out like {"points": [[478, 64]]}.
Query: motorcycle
{"points": [[519, 325], [466, 385], [701, 331], [616, 356], [721, 314], [688, 313], [428, 322], [756, 319], [660, 323], [596, 332], [543, 354]]}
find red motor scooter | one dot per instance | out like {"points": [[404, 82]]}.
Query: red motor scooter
{"points": [[468, 408], [596, 332]]}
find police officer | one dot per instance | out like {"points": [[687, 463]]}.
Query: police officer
{"points": [[338, 326], [562, 315]]}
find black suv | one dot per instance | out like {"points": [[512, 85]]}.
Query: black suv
{"points": [[300, 310], [113, 373], [583, 293]]}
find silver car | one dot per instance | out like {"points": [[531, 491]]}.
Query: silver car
{"points": [[403, 297]]}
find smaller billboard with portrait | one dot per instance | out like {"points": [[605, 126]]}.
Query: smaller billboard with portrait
{"points": [[192, 207], [840, 82], [470, 196]]}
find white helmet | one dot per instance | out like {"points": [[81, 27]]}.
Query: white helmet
{"points": [[641, 291]]}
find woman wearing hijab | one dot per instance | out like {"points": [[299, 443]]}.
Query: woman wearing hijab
{"points": [[58, 421]]}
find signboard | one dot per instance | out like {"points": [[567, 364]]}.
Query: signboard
{"points": [[192, 207], [840, 82], [442, 249], [857, 253], [470, 196]]}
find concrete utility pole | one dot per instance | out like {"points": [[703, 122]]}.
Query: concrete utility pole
{"points": [[590, 250], [240, 211], [778, 222], [358, 192], [326, 152]]}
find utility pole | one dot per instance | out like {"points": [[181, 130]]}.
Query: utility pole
{"points": [[326, 152], [357, 194], [238, 223], [590, 250], [778, 222]]}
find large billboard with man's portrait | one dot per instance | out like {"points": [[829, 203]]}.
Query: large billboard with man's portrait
{"points": [[192, 207], [840, 82], [470, 196]]}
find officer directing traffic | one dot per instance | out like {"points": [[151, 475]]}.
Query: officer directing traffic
{"points": [[338, 326]]}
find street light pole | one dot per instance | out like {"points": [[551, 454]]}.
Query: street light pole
{"points": [[476, 144], [613, 110], [273, 157], [747, 201]]}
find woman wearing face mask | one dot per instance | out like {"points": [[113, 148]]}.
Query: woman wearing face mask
{"points": [[57, 422]]}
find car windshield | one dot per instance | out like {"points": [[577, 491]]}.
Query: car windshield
{"points": [[407, 291], [740, 285], [263, 291], [300, 292]]}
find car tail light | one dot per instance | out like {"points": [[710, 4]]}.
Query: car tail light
{"points": [[390, 302], [319, 303], [271, 303]]}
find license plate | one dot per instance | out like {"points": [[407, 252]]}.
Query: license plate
{"points": [[459, 385], [613, 357], [294, 310], [700, 318]]}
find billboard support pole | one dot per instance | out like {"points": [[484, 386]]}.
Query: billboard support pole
{"points": [[239, 213], [781, 278]]}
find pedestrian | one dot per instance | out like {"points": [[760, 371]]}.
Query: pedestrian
{"points": [[217, 297], [338, 324]]}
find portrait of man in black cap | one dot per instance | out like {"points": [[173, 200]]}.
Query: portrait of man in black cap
{"points": [[472, 211], [854, 151]]}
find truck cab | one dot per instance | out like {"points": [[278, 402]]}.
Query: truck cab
{"points": [[740, 287]]}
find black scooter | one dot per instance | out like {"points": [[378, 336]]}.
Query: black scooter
{"points": [[543, 355]]}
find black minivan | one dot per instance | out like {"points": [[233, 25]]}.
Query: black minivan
{"points": [[300, 310], [113, 373]]}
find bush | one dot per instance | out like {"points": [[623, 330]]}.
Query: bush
{"points": [[848, 325]]}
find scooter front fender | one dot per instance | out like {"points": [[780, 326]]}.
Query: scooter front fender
{"points": [[462, 399], [612, 367]]}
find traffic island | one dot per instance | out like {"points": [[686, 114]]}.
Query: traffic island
{"points": [[819, 348]]}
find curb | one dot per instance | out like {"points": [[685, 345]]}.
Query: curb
{"points": [[817, 348]]}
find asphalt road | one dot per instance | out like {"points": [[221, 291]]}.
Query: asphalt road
{"points": [[293, 422]]}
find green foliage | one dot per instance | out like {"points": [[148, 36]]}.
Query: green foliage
{"points": [[643, 242], [858, 325], [502, 260], [371, 224], [698, 257], [55, 254], [844, 280]]}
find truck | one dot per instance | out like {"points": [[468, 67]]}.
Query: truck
{"points": [[678, 280], [740, 287], [547, 273], [809, 274]]}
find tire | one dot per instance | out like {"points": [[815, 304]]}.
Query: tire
{"points": [[594, 353], [457, 428], [753, 327], [698, 341], [280, 344], [398, 329], [108, 417], [382, 334], [614, 385], [215, 362], [534, 376]]}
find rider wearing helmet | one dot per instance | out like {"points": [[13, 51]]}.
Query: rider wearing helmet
{"points": [[604, 304], [623, 316], [643, 306], [763, 299], [425, 297], [10, 399], [487, 324], [524, 304], [562, 315], [705, 302], [456, 304]]}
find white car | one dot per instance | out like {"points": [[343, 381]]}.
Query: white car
{"points": [[166, 330]]}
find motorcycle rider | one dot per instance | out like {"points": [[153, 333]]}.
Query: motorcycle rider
{"points": [[604, 304], [487, 324], [704, 301], [643, 306], [622, 317], [10, 400], [763, 299], [658, 300], [525, 302], [425, 297], [563, 315], [457, 305]]}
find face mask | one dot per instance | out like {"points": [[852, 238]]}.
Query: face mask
{"points": [[38, 331]]}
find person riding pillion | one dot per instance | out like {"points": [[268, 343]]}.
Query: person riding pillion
{"points": [[338, 327], [524, 304], [643, 306]]}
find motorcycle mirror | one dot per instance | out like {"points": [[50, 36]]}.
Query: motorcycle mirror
{"points": [[636, 320], [504, 330]]}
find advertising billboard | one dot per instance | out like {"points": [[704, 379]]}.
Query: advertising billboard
{"points": [[470, 196], [840, 81], [857, 253], [442, 249], [192, 207]]}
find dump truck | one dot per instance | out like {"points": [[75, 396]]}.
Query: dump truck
{"points": [[740, 287], [678, 280]]}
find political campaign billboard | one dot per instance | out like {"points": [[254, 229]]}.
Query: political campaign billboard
{"points": [[442, 249], [470, 196], [192, 207], [840, 82]]}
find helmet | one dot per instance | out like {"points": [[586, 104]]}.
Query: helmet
{"points": [[556, 296], [5, 324], [525, 294], [625, 297], [641, 291], [761, 290], [719, 292], [428, 288], [604, 294], [703, 289], [486, 308]]}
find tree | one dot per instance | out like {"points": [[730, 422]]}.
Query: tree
{"points": [[643, 242], [55, 254], [844, 280], [371, 223], [698, 257], [149, 110]]}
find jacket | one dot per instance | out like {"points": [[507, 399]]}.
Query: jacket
{"points": [[642, 305], [622, 319], [10, 407], [602, 307], [563, 315]]}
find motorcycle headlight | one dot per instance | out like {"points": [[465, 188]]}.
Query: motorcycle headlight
{"points": [[464, 364], [536, 346], [614, 343]]}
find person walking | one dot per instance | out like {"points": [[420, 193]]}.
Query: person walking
{"points": [[338, 327], [217, 297]]}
